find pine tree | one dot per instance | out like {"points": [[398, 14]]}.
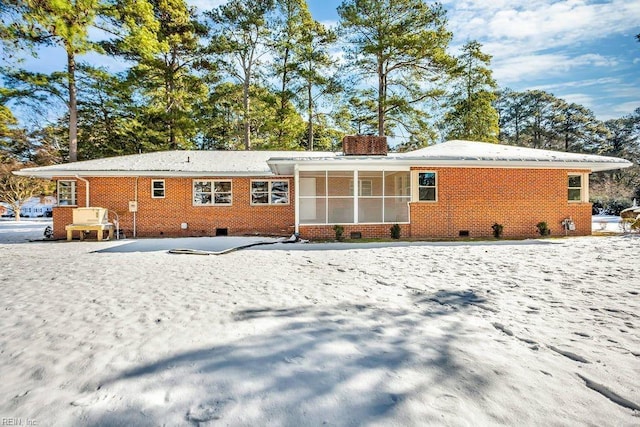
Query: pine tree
{"points": [[472, 115], [67, 24], [402, 44], [239, 34]]}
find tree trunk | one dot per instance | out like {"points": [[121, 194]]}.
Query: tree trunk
{"points": [[73, 107], [245, 120], [382, 100], [283, 97], [310, 116]]}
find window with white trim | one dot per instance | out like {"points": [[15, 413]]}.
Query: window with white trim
{"points": [[365, 187], [157, 189], [574, 193], [269, 192], [427, 186], [66, 193], [210, 192]]}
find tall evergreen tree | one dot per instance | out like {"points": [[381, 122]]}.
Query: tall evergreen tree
{"points": [[66, 24], [400, 43], [315, 70], [167, 81], [240, 31], [472, 115], [292, 17]]}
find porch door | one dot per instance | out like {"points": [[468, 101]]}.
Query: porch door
{"points": [[308, 203]]}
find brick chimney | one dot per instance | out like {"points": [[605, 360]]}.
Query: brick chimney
{"points": [[364, 145]]}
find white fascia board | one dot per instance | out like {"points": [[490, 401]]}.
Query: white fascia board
{"points": [[521, 164], [286, 166], [402, 164], [164, 174]]}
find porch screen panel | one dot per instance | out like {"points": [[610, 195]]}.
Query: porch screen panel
{"points": [[396, 209], [313, 197], [370, 196], [340, 210], [397, 190], [370, 209], [340, 199]]}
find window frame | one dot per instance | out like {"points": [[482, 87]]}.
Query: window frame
{"points": [[213, 192], [362, 187], [418, 187], [73, 193], [582, 188], [269, 192], [153, 189]]}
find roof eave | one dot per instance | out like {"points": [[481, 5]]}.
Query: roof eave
{"points": [[281, 165], [49, 174]]}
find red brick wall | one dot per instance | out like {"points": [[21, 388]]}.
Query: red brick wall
{"points": [[163, 217], [474, 199], [469, 199]]}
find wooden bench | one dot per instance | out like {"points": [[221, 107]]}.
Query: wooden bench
{"points": [[99, 228]]}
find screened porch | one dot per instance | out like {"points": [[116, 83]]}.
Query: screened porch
{"points": [[330, 197]]}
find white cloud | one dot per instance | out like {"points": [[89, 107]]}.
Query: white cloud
{"points": [[525, 27], [579, 98], [516, 68], [578, 84]]}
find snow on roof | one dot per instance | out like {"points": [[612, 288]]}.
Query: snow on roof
{"points": [[473, 151], [454, 153], [174, 163], [458, 153]]}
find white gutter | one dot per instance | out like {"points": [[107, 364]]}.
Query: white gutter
{"points": [[87, 190], [50, 173], [284, 167]]}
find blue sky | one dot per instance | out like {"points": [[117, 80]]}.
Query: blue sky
{"points": [[581, 51]]}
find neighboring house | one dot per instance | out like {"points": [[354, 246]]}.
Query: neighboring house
{"points": [[449, 190], [38, 207], [35, 207]]}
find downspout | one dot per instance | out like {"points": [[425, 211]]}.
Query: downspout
{"points": [[87, 190], [135, 198], [296, 207]]}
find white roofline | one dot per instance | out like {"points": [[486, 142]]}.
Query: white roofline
{"points": [[50, 173], [405, 163]]}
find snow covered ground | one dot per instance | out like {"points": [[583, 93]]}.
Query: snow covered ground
{"points": [[531, 332]]}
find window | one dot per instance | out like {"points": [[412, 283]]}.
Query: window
{"points": [[575, 188], [157, 189], [66, 193], [211, 193], [269, 192], [365, 187], [427, 186]]}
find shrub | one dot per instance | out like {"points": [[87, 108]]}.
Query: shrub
{"points": [[543, 228], [339, 231], [395, 231], [497, 230], [610, 206]]}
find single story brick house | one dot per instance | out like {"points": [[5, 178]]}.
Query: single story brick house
{"points": [[448, 190]]}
